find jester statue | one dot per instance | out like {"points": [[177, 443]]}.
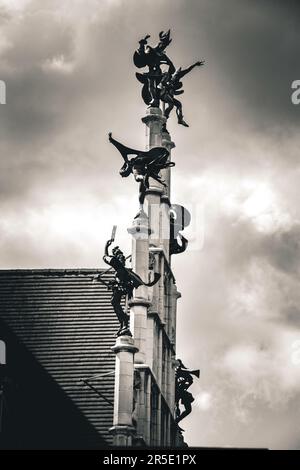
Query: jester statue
{"points": [[153, 58], [183, 380], [125, 280], [143, 165], [161, 85]]}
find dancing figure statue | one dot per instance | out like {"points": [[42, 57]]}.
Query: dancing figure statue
{"points": [[153, 58], [183, 380], [170, 86], [179, 219], [125, 280], [143, 165]]}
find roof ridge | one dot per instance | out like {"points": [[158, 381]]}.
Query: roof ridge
{"points": [[50, 271]]}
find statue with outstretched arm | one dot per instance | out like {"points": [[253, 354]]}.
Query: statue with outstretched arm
{"points": [[125, 280], [143, 165], [171, 86]]}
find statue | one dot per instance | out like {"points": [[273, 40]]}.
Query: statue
{"points": [[143, 165], [122, 285], [171, 86], [183, 380], [179, 219], [161, 85], [153, 58]]}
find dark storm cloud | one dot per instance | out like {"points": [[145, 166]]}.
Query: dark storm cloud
{"points": [[255, 50], [281, 249], [51, 87], [292, 315]]}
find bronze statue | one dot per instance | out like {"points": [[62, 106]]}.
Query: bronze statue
{"points": [[171, 86], [179, 219], [183, 380], [122, 285], [153, 58], [161, 85], [143, 165]]}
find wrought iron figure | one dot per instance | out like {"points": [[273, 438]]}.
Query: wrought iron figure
{"points": [[179, 219], [143, 165], [122, 285], [153, 58], [171, 86], [183, 380]]}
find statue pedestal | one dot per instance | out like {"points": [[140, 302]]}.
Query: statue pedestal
{"points": [[154, 121], [139, 304], [166, 172], [123, 429]]}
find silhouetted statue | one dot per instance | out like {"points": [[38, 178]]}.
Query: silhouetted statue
{"points": [[143, 165], [122, 285], [183, 380], [179, 219], [153, 58], [171, 86], [159, 85]]}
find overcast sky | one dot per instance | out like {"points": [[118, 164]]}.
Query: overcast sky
{"points": [[70, 80]]}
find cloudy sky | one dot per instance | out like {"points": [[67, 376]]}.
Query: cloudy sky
{"points": [[70, 79]]}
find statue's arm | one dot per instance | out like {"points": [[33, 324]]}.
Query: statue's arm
{"points": [[189, 69], [106, 259], [142, 43], [106, 252]]}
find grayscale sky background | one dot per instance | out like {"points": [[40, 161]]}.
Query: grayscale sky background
{"points": [[70, 79]]}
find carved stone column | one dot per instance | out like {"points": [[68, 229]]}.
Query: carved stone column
{"points": [[165, 199], [123, 429], [154, 121], [166, 173], [139, 304]]}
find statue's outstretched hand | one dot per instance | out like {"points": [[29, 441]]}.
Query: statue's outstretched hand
{"points": [[144, 40], [200, 62], [109, 136]]}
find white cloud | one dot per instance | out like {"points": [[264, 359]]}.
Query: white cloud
{"points": [[270, 372], [203, 401], [58, 64], [5, 43], [15, 5], [258, 202]]}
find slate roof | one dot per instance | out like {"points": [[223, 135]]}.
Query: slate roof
{"points": [[59, 327]]}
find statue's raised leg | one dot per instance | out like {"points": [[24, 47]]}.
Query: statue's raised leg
{"points": [[179, 113], [121, 315]]}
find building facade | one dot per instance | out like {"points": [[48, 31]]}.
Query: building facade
{"points": [[68, 382]]}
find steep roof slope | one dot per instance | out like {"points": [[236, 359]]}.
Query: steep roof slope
{"points": [[59, 327]]}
